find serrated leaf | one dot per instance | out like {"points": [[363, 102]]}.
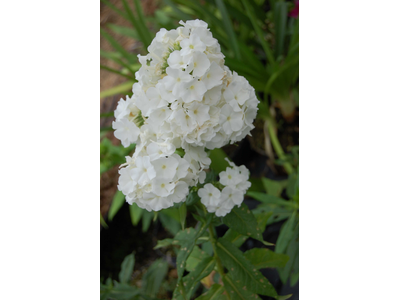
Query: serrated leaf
{"points": [[136, 213], [195, 258], [264, 258], [154, 276], [202, 270], [238, 239], [242, 270], [212, 293], [242, 220], [127, 268], [237, 290]]}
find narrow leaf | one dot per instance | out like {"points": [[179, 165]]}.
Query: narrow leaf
{"points": [[154, 276], [182, 215], [259, 31], [229, 28], [127, 268], [120, 89], [116, 204], [286, 234], [270, 199], [136, 213]]}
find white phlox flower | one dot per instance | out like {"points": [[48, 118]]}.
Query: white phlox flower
{"points": [[187, 99], [233, 184]]}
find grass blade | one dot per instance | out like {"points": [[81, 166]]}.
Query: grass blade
{"points": [[122, 88], [116, 72], [142, 23], [128, 56], [229, 29], [259, 32]]}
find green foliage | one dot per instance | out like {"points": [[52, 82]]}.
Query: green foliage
{"points": [[242, 271], [241, 220], [127, 268], [153, 278], [111, 155]]}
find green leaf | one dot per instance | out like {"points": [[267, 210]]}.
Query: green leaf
{"points": [[116, 72], [192, 198], [229, 28], [146, 220], [187, 239], [218, 162], [202, 270], [237, 290], [153, 278], [292, 267], [113, 7], [251, 14], [126, 31], [164, 243], [142, 23], [238, 239], [213, 293], [182, 214], [136, 213], [131, 58], [169, 223], [273, 187], [293, 185], [264, 258], [242, 220], [242, 270], [116, 204], [195, 258], [119, 89], [127, 268], [102, 222], [270, 199], [286, 234], [280, 20]]}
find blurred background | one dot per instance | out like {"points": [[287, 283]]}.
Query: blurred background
{"points": [[260, 40]]}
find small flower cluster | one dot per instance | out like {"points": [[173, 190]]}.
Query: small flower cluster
{"points": [[185, 98], [233, 184]]}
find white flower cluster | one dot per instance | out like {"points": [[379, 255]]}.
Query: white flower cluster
{"points": [[233, 184], [185, 98]]}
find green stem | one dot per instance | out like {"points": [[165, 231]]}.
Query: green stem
{"points": [[277, 147]]}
